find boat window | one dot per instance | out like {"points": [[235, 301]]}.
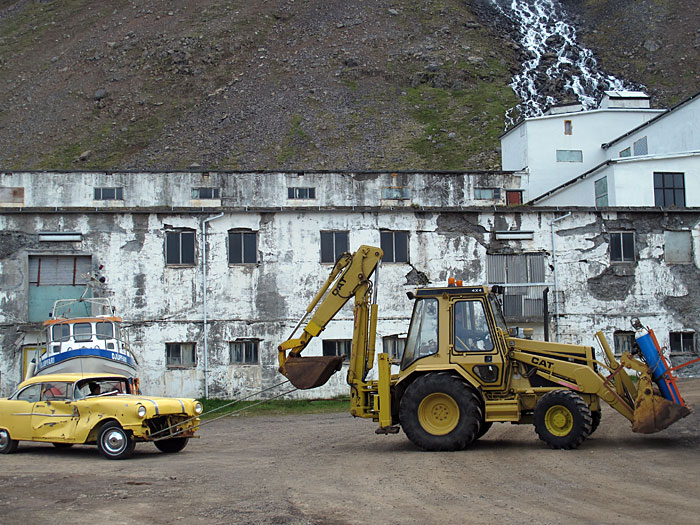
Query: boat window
{"points": [[82, 332], [60, 332], [104, 330], [31, 393]]}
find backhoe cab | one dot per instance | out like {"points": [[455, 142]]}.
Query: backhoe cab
{"points": [[461, 371]]}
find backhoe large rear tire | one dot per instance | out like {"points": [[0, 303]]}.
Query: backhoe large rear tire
{"points": [[562, 419], [440, 412]]}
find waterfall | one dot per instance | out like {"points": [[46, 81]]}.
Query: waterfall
{"points": [[554, 61]]}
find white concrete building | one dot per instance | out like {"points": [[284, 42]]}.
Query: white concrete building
{"points": [[267, 241], [564, 143]]}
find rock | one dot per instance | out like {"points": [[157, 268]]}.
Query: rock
{"points": [[393, 12], [85, 155], [100, 94], [652, 45]]}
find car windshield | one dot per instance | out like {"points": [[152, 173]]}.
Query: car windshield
{"points": [[100, 387]]}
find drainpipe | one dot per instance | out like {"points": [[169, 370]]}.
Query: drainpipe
{"points": [[204, 299], [554, 262]]}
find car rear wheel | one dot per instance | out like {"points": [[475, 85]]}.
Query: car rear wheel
{"points": [[7, 444], [114, 442], [172, 445]]}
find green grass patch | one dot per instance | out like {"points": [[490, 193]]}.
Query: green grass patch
{"points": [[276, 407]]}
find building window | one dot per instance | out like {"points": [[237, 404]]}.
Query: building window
{"points": [[394, 345], [622, 246], [669, 189], [525, 273], [301, 193], [243, 352], [601, 192], [682, 342], [569, 155], [333, 245], [394, 245], [623, 341], [640, 147], [514, 197], [627, 152], [179, 248], [109, 194], [678, 247], [396, 193], [242, 247], [205, 193], [568, 127], [337, 347], [487, 194], [180, 355]]}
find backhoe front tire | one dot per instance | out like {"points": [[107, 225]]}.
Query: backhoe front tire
{"points": [[562, 419], [440, 412]]}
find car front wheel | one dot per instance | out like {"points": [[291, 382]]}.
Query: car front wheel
{"points": [[114, 442], [7, 444], [172, 445]]}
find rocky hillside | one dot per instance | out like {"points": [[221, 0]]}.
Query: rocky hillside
{"points": [[294, 84]]}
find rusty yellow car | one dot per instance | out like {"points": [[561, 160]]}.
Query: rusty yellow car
{"points": [[69, 409]]}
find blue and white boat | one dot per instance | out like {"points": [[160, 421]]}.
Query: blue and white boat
{"points": [[77, 339]]}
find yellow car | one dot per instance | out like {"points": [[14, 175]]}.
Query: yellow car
{"points": [[65, 409]]}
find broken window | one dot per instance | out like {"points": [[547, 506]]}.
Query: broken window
{"points": [[682, 342], [337, 347], [301, 193], [394, 244], [180, 355], [569, 155], [205, 193], [623, 341], [487, 194], [242, 247], [109, 194], [333, 245], [525, 275], [568, 127], [601, 192], [394, 345], [622, 247], [179, 247], [669, 189], [244, 352], [678, 247], [640, 146], [397, 193]]}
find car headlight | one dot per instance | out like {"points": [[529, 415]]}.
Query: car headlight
{"points": [[198, 408], [141, 411]]}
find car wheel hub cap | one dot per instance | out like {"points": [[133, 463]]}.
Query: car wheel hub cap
{"points": [[114, 441]]}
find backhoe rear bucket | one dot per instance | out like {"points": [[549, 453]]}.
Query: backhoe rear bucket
{"points": [[310, 372], [652, 412]]}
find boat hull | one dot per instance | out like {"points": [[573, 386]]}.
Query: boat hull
{"points": [[87, 360]]}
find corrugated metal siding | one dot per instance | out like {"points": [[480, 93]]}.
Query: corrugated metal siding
{"points": [[58, 270], [519, 301]]}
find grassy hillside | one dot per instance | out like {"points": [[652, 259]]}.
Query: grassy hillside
{"points": [[279, 84]]}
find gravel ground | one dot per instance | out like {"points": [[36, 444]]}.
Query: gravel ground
{"points": [[331, 469]]}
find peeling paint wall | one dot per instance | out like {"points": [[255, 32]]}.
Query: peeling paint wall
{"points": [[263, 301]]}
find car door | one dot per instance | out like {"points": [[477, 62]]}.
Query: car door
{"points": [[16, 413], [55, 415]]}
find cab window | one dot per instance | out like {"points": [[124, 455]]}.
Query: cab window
{"points": [[471, 330], [422, 337], [82, 332], [60, 332], [31, 393], [104, 330]]}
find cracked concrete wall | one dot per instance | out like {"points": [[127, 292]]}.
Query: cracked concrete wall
{"points": [[263, 301]]}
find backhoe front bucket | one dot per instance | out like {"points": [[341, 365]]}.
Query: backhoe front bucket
{"points": [[652, 412], [310, 372]]}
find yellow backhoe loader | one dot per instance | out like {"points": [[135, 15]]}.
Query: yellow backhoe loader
{"points": [[461, 370]]}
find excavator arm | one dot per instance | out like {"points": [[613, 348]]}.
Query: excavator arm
{"points": [[349, 278]]}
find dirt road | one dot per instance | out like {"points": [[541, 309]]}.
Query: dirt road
{"points": [[332, 469]]}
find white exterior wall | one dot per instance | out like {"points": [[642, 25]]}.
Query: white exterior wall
{"points": [[545, 135], [265, 300]]}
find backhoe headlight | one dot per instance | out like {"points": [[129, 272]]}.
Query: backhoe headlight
{"points": [[198, 408], [141, 411]]}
